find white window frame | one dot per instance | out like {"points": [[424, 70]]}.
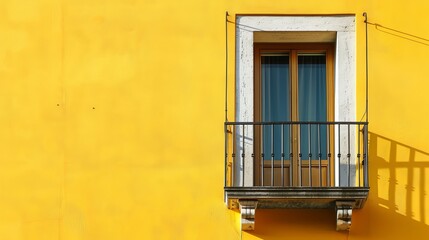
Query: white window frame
{"points": [[345, 79]]}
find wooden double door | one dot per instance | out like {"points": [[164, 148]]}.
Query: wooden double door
{"points": [[294, 85]]}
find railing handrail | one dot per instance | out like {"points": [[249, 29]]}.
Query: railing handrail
{"points": [[298, 122], [341, 143]]}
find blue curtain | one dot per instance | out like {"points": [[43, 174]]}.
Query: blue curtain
{"points": [[312, 105], [276, 104]]}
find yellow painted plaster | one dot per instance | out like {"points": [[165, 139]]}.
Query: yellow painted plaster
{"points": [[111, 120]]}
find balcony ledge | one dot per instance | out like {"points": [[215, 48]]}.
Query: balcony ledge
{"points": [[297, 197], [342, 199]]}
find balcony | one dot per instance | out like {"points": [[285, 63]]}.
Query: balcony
{"points": [[296, 165]]}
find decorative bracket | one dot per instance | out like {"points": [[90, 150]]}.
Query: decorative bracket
{"points": [[247, 210], [344, 215]]}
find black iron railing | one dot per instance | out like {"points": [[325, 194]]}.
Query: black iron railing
{"points": [[296, 154]]}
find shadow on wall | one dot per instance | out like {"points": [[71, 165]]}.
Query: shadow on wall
{"points": [[398, 202], [397, 207], [400, 34]]}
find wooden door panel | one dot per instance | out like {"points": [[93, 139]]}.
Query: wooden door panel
{"points": [[319, 177]]}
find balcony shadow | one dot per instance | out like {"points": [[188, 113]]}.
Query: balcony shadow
{"points": [[396, 207]]}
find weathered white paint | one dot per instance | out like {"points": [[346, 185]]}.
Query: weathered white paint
{"points": [[345, 78], [345, 103]]}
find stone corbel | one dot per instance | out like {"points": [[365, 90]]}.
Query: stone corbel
{"points": [[247, 210], [344, 215]]}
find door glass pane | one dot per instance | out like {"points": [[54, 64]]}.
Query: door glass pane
{"points": [[275, 104], [312, 104]]}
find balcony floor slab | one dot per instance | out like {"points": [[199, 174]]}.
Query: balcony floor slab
{"points": [[297, 197]]}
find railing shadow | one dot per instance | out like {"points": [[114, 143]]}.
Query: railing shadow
{"points": [[396, 208], [398, 203]]}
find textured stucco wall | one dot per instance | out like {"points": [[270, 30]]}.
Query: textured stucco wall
{"points": [[111, 120]]}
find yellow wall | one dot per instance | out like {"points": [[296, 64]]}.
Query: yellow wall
{"points": [[111, 121]]}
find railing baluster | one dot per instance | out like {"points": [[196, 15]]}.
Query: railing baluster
{"points": [[365, 154], [348, 156], [290, 156], [299, 158], [243, 155], [283, 154], [339, 155], [272, 154], [309, 156], [358, 154], [262, 154], [328, 152], [234, 147], [319, 150], [253, 153]]}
